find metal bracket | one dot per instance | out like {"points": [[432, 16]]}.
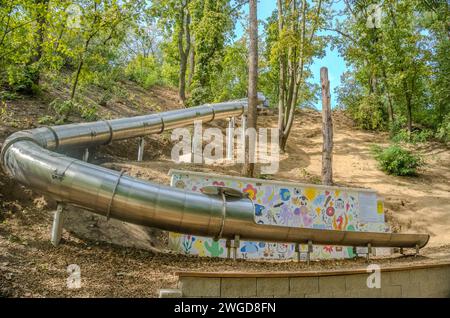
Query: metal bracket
{"points": [[58, 175]]}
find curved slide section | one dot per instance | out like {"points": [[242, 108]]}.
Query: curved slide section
{"points": [[34, 158]]}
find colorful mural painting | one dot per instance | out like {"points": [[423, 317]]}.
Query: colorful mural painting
{"points": [[285, 204]]}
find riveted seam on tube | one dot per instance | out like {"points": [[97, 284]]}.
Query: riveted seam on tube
{"points": [[110, 132], [54, 135], [108, 211], [243, 110], [162, 124], [224, 215], [213, 113]]}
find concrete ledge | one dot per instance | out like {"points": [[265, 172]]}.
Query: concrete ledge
{"points": [[170, 293], [309, 273], [421, 280]]}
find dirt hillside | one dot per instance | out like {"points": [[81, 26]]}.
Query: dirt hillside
{"points": [[118, 259]]}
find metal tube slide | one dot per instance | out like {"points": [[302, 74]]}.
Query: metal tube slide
{"points": [[34, 158]]}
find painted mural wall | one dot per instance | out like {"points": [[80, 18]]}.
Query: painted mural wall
{"points": [[286, 204]]}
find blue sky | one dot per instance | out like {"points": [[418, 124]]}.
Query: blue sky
{"points": [[332, 59]]}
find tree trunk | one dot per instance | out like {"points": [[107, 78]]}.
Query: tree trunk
{"points": [[388, 93], [39, 39], [281, 83], [182, 81], [327, 129], [80, 66], [249, 165], [184, 35], [408, 108], [191, 63], [75, 81]]}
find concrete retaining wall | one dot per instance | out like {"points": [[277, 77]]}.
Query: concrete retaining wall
{"points": [[411, 281]]}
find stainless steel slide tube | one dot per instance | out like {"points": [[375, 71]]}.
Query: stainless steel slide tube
{"points": [[34, 158]]}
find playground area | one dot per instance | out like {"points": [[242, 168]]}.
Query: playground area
{"points": [[122, 259]]}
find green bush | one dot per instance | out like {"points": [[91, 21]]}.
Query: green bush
{"points": [[397, 160], [63, 108], [443, 131], [399, 133], [144, 70]]}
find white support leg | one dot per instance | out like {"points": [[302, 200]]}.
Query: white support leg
{"points": [[236, 244], [86, 154], [310, 249], [141, 149], [244, 128], [197, 144], [58, 223], [228, 246], [230, 139], [297, 250], [369, 251]]}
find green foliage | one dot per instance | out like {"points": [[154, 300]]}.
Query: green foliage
{"points": [[210, 36], [232, 81], [88, 112], [8, 95], [399, 69], [397, 160], [62, 108], [49, 120], [144, 70], [443, 130], [399, 134]]}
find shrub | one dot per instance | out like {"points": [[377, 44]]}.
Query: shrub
{"points": [[143, 70], [62, 108], [399, 133], [397, 160], [443, 131], [88, 112]]}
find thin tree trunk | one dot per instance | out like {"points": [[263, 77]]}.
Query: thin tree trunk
{"points": [[191, 64], [41, 21], [249, 166], [408, 108], [296, 80], [185, 33], [327, 129], [80, 66], [281, 83]]}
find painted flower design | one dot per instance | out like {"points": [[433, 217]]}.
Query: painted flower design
{"points": [[330, 211], [285, 194], [251, 191], [259, 209]]}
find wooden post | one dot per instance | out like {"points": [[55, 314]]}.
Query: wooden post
{"points": [[327, 129]]}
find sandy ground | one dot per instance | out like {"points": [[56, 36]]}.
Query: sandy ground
{"points": [[118, 259]]}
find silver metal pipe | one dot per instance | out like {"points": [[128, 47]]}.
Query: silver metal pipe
{"points": [[33, 158]]}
